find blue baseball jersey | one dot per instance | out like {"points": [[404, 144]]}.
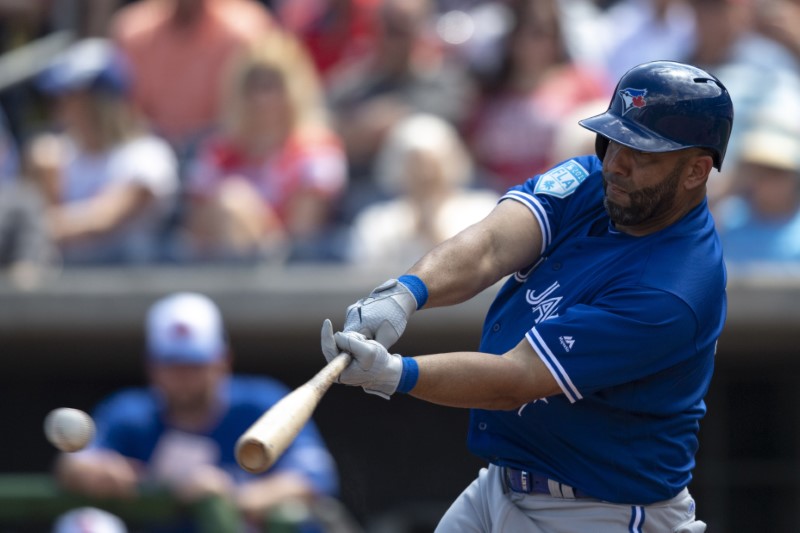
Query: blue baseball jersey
{"points": [[132, 423], [628, 328]]}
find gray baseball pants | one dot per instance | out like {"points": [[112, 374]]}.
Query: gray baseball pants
{"points": [[487, 506]]}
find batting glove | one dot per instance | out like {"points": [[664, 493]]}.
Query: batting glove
{"points": [[383, 314], [373, 368]]}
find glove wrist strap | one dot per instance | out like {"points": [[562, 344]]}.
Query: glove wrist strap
{"points": [[409, 375], [417, 288]]}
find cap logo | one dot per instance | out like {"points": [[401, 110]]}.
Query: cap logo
{"points": [[632, 98], [181, 331]]}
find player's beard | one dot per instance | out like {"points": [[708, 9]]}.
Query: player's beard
{"points": [[647, 203]]}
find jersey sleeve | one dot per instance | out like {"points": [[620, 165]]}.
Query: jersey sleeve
{"points": [[122, 421], [590, 348], [309, 456], [549, 195]]}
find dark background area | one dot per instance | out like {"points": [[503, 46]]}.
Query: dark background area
{"points": [[74, 342]]}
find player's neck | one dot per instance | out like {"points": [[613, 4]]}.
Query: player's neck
{"points": [[197, 418]]}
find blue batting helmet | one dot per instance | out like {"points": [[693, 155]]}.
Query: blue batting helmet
{"points": [[663, 106]]}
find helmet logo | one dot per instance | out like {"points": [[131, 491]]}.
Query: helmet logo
{"points": [[632, 98]]}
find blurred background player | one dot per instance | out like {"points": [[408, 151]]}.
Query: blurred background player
{"points": [[180, 432]]}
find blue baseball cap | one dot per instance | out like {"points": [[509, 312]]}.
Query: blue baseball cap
{"points": [[93, 63], [185, 328]]}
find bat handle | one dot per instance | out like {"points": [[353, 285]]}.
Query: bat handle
{"points": [[323, 379]]}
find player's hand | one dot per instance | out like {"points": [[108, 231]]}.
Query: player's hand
{"points": [[204, 481], [99, 474], [383, 314], [373, 368]]}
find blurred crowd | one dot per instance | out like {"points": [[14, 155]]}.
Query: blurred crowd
{"points": [[245, 131]]}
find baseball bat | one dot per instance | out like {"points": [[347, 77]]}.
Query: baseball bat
{"points": [[268, 437]]}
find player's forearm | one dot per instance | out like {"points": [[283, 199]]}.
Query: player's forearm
{"points": [[98, 473], [266, 493], [479, 380], [97, 216]]}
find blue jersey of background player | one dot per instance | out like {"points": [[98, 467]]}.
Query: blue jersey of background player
{"points": [[135, 423], [180, 432], [596, 353]]}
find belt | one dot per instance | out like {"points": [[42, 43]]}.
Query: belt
{"points": [[528, 482]]}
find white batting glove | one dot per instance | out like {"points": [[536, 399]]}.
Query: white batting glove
{"points": [[373, 368], [383, 314]]}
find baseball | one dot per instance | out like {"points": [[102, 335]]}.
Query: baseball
{"points": [[68, 429]]}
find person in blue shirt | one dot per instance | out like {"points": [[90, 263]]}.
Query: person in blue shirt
{"points": [[587, 389], [180, 431], [760, 225]]}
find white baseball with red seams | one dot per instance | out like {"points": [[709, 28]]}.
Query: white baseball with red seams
{"points": [[68, 429]]}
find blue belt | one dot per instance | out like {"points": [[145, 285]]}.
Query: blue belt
{"points": [[528, 482]]}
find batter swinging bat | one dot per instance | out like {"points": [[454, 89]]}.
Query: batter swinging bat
{"points": [[260, 446]]}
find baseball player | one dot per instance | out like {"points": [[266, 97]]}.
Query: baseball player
{"points": [[587, 390], [180, 431]]}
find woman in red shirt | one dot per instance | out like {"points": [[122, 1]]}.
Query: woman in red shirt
{"points": [[268, 179], [525, 100]]}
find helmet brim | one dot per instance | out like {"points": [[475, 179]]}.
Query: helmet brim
{"points": [[628, 133]]}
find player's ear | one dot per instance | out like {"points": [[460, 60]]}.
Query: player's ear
{"points": [[698, 168], [600, 146]]}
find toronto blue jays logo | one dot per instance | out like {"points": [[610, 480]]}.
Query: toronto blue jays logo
{"points": [[632, 98], [544, 305]]}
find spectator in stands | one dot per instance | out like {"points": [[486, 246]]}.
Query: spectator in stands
{"points": [[336, 32], [110, 185], [761, 223], [180, 431], [426, 168], [408, 71], [756, 70], [9, 153], [652, 30], [780, 20], [179, 50], [272, 174], [523, 102], [21, 24], [26, 253]]}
